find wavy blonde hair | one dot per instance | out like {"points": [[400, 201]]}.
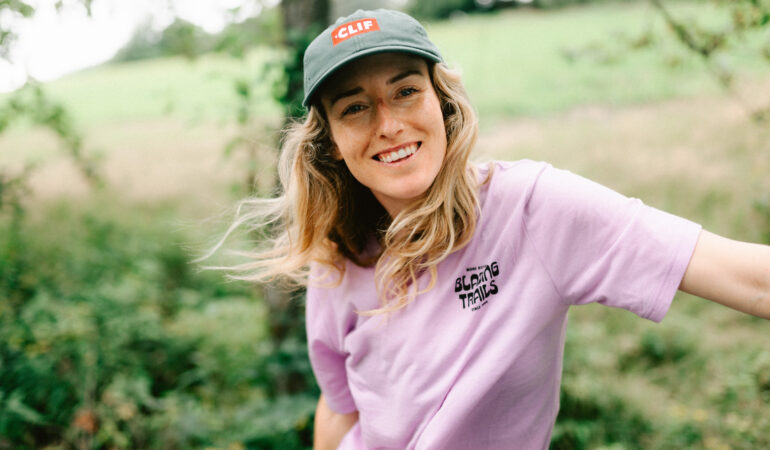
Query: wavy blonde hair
{"points": [[325, 215]]}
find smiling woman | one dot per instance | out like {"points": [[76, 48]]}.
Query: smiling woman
{"points": [[386, 124], [475, 267]]}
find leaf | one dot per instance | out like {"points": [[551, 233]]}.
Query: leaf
{"points": [[15, 405]]}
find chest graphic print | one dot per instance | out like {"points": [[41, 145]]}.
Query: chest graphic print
{"points": [[477, 285]]}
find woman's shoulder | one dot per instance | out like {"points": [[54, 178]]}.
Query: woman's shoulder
{"points": [[502, 169], [498, 177], [327, 279]]}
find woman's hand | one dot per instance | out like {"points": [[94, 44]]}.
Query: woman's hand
{"points": [[732, 273], [331, 427]]}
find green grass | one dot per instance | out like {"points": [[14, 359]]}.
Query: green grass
{"points": [[198, 90], [695, 381], [514, 63]]}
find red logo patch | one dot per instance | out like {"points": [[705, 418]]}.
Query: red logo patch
{"points": [[350, 29]]}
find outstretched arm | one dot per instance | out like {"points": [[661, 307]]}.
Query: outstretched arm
{"points": [[732, 273], [331, 427]]}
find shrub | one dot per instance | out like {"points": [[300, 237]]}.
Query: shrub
{"points": [[112, 341], [656, 348], [588, 419]]}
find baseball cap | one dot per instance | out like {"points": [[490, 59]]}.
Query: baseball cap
{"points": [[359, 34]]}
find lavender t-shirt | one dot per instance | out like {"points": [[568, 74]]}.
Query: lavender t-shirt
{"points": [[476, 362]]}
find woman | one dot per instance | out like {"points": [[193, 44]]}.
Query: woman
{"points": [[438, 291]]}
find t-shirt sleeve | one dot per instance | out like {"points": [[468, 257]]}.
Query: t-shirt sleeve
{"points": [[325, 334], [600, 246]]}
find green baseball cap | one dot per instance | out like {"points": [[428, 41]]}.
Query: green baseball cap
{"points": [[359, 34]]}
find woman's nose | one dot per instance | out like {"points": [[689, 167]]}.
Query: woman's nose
{"points": [[388, 122]]}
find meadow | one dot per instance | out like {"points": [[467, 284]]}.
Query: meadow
{"points": [[111, 338]]}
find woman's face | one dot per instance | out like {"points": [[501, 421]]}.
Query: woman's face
{"points": [[387, 125]]}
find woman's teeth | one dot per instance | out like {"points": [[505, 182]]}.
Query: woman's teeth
{"points": [[398, 154]]}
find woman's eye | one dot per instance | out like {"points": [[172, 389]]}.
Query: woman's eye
{"points": [[352, 109], [406, 92]]}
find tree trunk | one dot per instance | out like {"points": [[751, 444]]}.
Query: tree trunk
{"points": [[303, 20]]}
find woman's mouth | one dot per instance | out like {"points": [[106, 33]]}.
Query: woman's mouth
{"points": [[399, 154]]}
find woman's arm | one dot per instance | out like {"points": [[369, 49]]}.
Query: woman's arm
{"points": [[331, 427], [732, 273]]}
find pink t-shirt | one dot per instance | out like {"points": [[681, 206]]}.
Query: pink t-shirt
{"points": [[476, 362]]}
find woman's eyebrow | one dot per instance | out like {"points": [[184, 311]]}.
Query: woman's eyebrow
{"points": [[403, 75], [344, 94]]}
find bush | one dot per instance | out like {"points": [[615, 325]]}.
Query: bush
{"points": [[590, 419], [549, 4], [111, 340], [445, 8], [659, 347], [188, 40]]}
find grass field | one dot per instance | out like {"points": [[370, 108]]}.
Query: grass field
{"points": [[633, 120]]}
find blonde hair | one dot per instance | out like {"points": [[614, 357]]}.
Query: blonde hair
{"points": [[325, 215]]}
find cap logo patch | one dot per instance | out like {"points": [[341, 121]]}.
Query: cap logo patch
{"points": [[350, 29]]}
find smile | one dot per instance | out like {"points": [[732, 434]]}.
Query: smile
{"points": [[398, 154]]}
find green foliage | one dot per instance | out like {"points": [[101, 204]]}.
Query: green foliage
{"points": [[550, 4], [288, 90], [589, 419], [181, 38], [10, 10], [109, 337], [251, 138], [30, 102], [263, 30], [185, 39], [628, 384], [442, 9], [709, 41], [144, 44], [658, 347], [439, 9]]}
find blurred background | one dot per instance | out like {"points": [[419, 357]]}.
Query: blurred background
{"points": [[129, 129]]}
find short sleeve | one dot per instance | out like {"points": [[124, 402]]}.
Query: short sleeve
{"points": [[600, 246], [325, 334]]}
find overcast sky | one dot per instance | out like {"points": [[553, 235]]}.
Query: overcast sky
{"points": [[52, 44]]}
